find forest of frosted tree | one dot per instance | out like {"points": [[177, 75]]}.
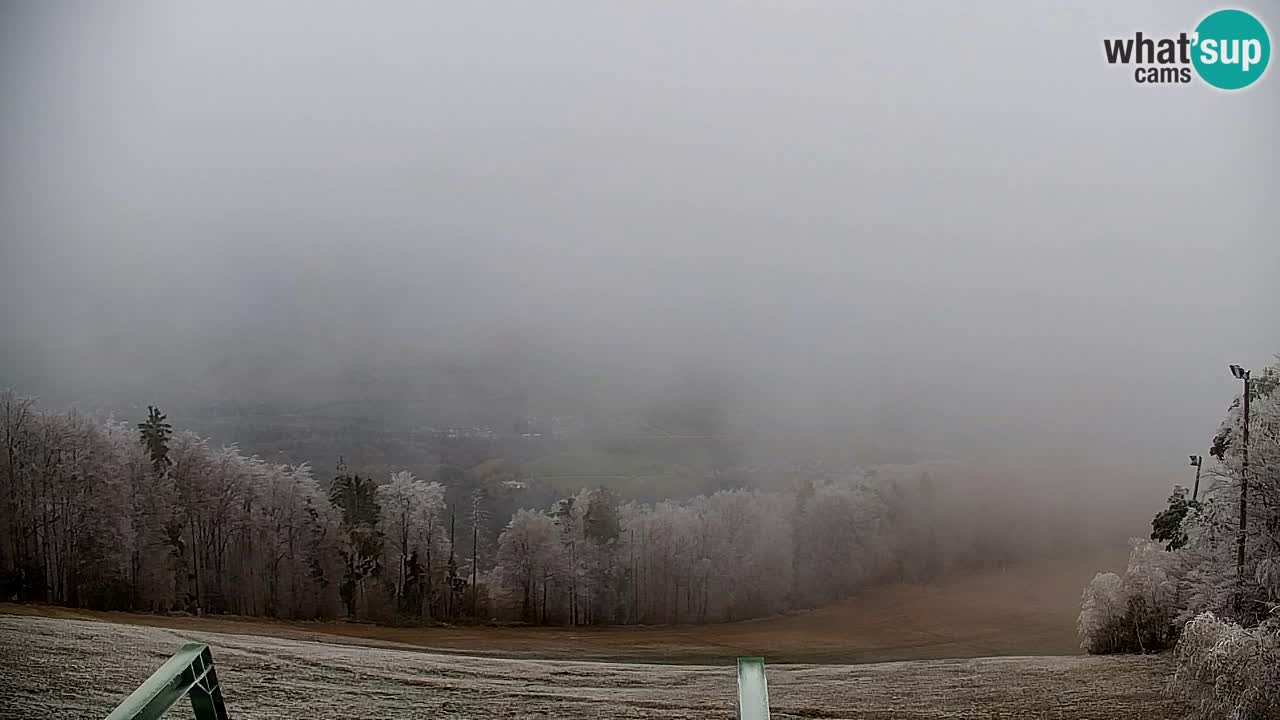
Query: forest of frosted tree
{"points": [[140, 516]]}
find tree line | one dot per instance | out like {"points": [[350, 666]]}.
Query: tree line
{"points": [[107, 515], [1185, 589]]}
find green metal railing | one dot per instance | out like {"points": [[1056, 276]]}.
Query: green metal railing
{"points": [[753, 689], [190, 672]]}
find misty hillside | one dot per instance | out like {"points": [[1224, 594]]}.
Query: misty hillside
{"points": [[335, 240], [712, 327]]}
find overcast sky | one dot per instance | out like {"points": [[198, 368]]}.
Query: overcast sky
{"points": [[954, 217]]}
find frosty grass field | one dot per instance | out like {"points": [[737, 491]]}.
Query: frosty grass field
{"points": [[59, 668]]}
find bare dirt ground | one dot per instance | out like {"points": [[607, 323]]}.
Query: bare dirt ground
{"points": [[1020, 611], [72, 669]]}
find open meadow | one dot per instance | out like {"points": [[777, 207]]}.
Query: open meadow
{"points": [[74, 670], [834, 662]]}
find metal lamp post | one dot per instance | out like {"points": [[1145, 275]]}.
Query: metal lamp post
{"points": [[1196, 462], [1240, 373]]}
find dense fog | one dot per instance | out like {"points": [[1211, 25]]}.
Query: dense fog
{"points": [[673, 250], [840, 220]]}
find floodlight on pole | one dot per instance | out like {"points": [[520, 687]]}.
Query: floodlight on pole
{"points": [[1240, 373], [1196, 462]]}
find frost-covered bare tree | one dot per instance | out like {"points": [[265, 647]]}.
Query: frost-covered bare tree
{"points": [[299, 533], [741, 564], [66, 508], [98, 515], [150, 504], [1209, 557], [738, 554], [1227, 671], [568, 518], [1133, 612], [530, 558], [1204, 535], [411, 519]]}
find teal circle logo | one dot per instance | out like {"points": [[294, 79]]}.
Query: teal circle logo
{"points": [[1231, 49]]}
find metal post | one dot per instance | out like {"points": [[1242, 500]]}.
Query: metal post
{"points": [[1244, 490], [753, 689], [1197, 460]]}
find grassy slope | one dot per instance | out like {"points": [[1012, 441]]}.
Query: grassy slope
{"points": [[77, 670]]}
